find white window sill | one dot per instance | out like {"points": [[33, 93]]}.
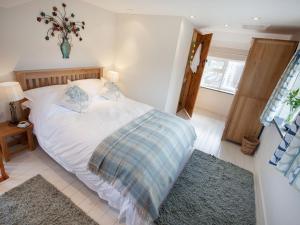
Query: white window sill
{"points": [[218, 90]]}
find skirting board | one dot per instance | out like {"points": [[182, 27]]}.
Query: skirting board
{"points": [[261, 218]]}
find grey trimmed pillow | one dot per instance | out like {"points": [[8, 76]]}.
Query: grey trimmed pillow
{"points": [[75, 99], [111, 92]]}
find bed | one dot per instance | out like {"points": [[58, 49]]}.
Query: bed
{"points": [[70, 138]]}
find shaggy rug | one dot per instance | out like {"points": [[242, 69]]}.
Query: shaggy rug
{"points": [[210, 191], [37, 202]]}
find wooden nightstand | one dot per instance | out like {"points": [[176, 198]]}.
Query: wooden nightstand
{"points": [[4, 175], [7, 130]]}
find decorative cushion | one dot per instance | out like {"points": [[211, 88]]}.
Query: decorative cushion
{"points": [[75, 99], [111, 92]]}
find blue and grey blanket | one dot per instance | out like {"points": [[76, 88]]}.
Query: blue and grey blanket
{"points": [[143, 158]]}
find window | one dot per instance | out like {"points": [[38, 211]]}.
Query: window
{"points": [[222, 74], [277, 106]]}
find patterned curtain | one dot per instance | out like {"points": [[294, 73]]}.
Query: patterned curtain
{"points": [[286, 141], [281, 91], [287, 156]]}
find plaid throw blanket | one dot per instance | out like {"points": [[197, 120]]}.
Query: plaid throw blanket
{"points": [[143, 158]]}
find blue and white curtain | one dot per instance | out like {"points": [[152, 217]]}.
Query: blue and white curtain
{"points": [[281, 91], [287, 156], [286, 141]]}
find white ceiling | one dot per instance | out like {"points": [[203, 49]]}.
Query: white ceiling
{"points": [[279, 16], [276, 16]]}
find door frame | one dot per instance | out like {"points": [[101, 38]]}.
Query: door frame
{"points": [[191, 80]]}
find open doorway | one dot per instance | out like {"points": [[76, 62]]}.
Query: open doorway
{"points": [[207, 93], [219, 82], [217, 88]]}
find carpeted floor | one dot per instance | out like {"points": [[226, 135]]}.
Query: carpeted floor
{"points": [[210, 191], [37, 202]]}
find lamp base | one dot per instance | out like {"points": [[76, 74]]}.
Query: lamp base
{"points": [[12, 108]]}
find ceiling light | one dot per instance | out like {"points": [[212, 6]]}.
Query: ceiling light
{"points": [[192, 17], [256, 18], [226, 25]]}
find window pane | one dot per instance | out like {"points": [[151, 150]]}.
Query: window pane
{"points": [[213, 73], [222, 74], [232, 76]]}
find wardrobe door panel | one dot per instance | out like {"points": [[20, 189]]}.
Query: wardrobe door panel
{"points": [[265, 64], [244, 120]]}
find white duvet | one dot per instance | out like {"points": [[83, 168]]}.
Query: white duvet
{"points": [[70, 138]]}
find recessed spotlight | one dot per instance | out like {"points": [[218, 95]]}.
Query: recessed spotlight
{"points": [[256, 18], [226, 25], [192, 17]]}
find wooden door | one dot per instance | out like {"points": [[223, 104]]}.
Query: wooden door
{"points": [[191, 81], [265, 64]]}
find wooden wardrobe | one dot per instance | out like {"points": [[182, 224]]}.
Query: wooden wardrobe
{"points": [[266, 61]]}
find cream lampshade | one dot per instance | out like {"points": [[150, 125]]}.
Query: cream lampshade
{"points": [[11, 92], [113, 76]]}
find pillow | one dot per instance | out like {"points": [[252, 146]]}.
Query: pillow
{"points": [[91, 86], [45, 94], [75, 99], [111, 92]]}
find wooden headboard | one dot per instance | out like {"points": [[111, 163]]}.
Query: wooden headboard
{"points": [[30, 79]]}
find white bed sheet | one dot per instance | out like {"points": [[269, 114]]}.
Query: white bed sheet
{"points": [[70, 139]]}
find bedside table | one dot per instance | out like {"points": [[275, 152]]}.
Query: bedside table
{"points": [[7, 130], [4, 175]]}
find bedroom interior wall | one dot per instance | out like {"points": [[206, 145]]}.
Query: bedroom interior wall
{"points": [[279, 201], [216, 102], [145, 51], [23, 46], [179, 64]]}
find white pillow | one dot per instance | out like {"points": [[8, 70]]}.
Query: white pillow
{"points": [[46, 94], [92, 87], [75, 98]]}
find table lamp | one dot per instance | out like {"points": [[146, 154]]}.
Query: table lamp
{"points": [[113, 76], [11, 92]]}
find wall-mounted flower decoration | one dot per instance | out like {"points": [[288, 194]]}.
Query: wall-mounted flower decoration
{"points": [[64, 25]]}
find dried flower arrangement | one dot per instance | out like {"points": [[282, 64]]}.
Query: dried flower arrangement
{"points": [[64, 25]]}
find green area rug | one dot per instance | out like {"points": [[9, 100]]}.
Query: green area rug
{"points": [[37, 202], [210, 191]]}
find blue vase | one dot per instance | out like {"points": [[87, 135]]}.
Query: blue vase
{"points": [[65, 48]]}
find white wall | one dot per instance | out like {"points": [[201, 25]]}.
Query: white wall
{"points": [[145, 53], [214, 101], [280, 201], [150, 52], [179, 65], [23, 46]]}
